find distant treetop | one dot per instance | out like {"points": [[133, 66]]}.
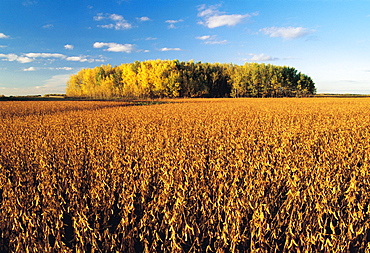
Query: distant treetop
{"points": [[172, 78]]}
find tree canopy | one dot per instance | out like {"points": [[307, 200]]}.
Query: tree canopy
{"points": [[172, 78]]}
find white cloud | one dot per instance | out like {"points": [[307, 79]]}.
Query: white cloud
{"points": [[211, 39], [164, 49], [34, 69], [45, 55], [48, 26], [60, 68], [214, 42], [29, 69], [23, 59], [172, 23], [204, 37], [10, 57], [77, 58], [81, 58], [147, 38], [115, 47], [213, 18], [262, 57], [68, 46], [119, 22], [286, 32], [14, 57], [117, 26], [30, 57], [225, 20], [3, 36], [85, 58], [99, 17], [2, 46], [64, 68], [116, 17], [143, 19], [205, 11], [110, 26]]}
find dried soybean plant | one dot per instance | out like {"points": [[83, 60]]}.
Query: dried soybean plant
{"points": [[206, 175]]}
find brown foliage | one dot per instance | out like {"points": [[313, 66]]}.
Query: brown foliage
{"points": [[225, 175]]}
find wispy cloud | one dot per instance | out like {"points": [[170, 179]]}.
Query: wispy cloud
{"points": [[48, 26], [68, 46], [172, 23], [29, 69], [116, 21], [80, 58], [35, 68], [45, 55], [206, 11], [3, 36], [213, 18], [214, 42], [147, 38], [56, 84], [115, 47], [211, 39], [64, 68], [286, 32], [99, 17], [77, 58], [164, 49], [225, 20], [262, 57], [30, 57], [83, 58], [29, 2], [143, 19], [14, 57], [204, 37]]}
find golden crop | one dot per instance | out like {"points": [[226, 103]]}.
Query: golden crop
{"points": [[204, 175]]}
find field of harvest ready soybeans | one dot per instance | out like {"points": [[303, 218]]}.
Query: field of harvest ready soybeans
{"points": [[201, 175]]}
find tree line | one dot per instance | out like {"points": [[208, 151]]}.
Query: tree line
{"points": [[172, 78]]}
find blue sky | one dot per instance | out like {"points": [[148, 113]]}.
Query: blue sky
{"points": [[43, 42]]}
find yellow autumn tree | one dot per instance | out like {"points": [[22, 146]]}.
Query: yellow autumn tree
{"points": [[130, 87], [145, 79], [171, 78], [159, 78], [74, 86]]}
